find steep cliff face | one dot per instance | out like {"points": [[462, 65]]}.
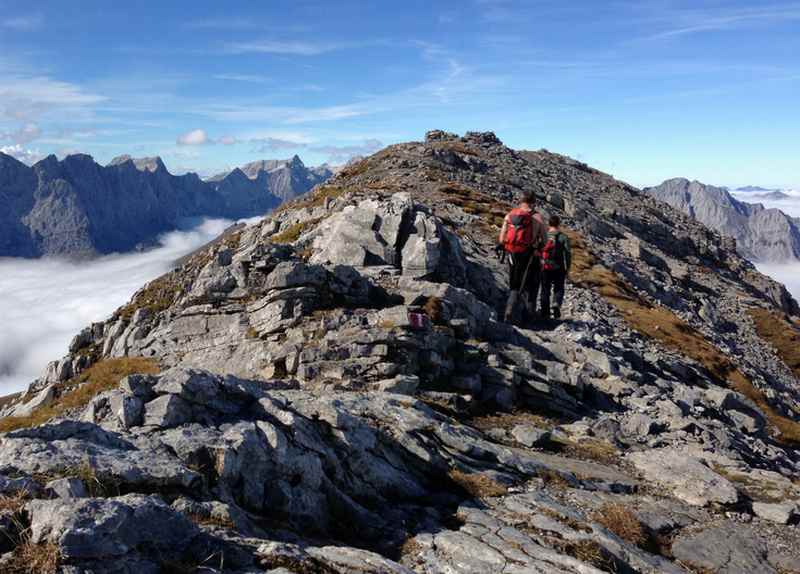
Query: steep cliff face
{"points": [[77, 207], [330, 391], [763, 235]]}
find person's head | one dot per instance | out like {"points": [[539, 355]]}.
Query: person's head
{"points": [[529, 198], [554, 221]]}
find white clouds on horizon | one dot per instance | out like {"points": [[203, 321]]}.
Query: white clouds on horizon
{"points": [[47, 301], [25, 155], [789, 205]]}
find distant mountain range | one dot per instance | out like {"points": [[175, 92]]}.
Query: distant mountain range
{"points": [[77, 207], [762, 234]]}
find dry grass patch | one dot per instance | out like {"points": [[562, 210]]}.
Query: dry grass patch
{"points": [[13, 503], [781, 334], [293, 232], [156, 296], [621, 521], [488, 208], [662, 325], [592, 449], [508, 421], [30, 558], [554, 479], [77, 392], [477, 485], [211, 520], [588, 551], [567, 520]]}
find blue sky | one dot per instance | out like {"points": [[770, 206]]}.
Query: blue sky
{"points": [[645, 90]]}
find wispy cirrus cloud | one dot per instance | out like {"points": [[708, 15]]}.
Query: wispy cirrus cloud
{"points": [[23, 135], [234, 23], [287, 47], [347, 152], [244, 112], [25, 97], [270, 144], [677, 23], [26, 23], [248, 78]]}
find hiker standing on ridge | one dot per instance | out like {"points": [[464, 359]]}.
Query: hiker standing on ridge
{"points": [[522, 236], [556, 262]]}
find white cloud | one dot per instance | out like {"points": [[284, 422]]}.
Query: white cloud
{"points": [[195, 137], [46, 302], [24, 155]]}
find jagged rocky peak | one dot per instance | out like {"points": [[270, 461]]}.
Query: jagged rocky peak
{"points": [[767, 235], [150, 164], [330, 390]]}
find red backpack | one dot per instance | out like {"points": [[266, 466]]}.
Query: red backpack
{"points": [[519, 233]]}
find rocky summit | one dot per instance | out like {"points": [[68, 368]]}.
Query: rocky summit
{"points": [[330, 391]]}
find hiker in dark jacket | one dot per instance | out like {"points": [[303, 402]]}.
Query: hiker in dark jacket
{"points": [[556, 262], [522, 236]]}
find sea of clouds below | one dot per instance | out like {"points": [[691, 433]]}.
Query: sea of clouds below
{"points": [[45, 302], [789, 273]]}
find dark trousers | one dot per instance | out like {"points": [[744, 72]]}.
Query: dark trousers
{"points": [[552, 280], [518, 263]]}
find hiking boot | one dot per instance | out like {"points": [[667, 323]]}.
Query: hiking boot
{"points": [[556, 312]]}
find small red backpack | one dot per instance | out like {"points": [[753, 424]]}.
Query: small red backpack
{"points": [[552, 255], [519, 233]]}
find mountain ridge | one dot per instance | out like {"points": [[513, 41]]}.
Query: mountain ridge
{"points": [[79, 208], [330, 390]]}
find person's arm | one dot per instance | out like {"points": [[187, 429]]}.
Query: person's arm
{"points": [[502, 237], [542, 236]]}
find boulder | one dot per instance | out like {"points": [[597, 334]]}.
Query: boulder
{"points": [[688, 478], [779, 512]]}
